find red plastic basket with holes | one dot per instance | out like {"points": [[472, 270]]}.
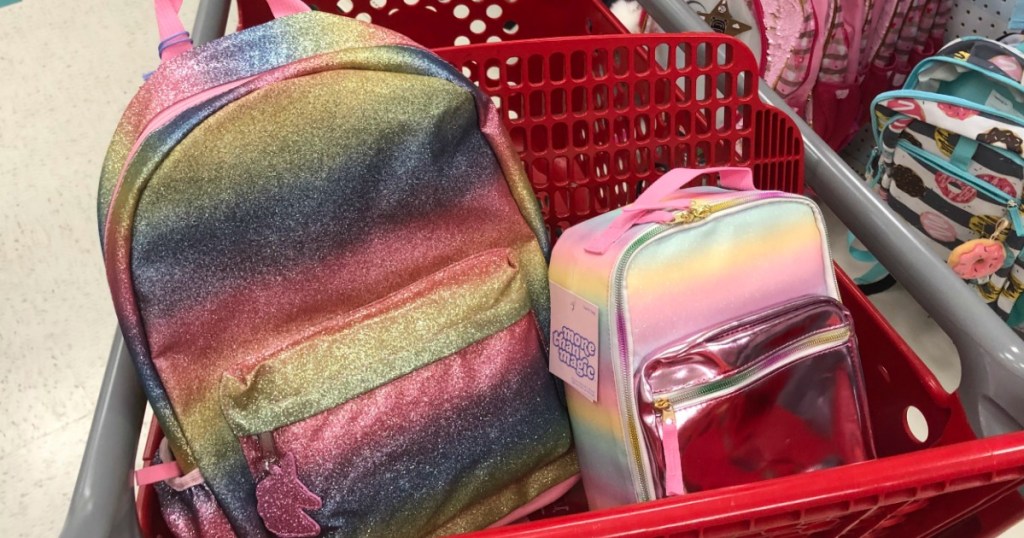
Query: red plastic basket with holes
{"points": [[595, 119]]}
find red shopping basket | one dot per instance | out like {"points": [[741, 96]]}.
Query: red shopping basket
{"points": [[595, 120]]}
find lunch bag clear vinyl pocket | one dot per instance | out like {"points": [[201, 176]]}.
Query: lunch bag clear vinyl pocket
{"points": [[778, 393]]}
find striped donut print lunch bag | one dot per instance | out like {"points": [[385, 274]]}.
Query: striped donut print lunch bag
{"points": [[949, 160]]}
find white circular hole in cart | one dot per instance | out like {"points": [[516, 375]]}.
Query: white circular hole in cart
{"points": [[916, 425]]}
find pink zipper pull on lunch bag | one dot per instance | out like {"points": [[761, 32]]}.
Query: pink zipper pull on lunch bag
{"points": [[723, 356]]}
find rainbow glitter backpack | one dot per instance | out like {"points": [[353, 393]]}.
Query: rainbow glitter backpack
{"points": [[330, 270]]}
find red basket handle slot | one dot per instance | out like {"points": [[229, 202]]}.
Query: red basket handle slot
{"points": [[730, 177]]}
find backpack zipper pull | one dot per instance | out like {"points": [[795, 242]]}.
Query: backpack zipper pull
{"points": [[1001, 227], [670, 447], [269, 451], [980, 258], [697, 211], [281, 498]]}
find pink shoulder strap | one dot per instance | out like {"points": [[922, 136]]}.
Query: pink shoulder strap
{"points": [[157, 473], [174, 39]]}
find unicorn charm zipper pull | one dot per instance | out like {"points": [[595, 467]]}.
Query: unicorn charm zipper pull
{"points": [[281, 499]]}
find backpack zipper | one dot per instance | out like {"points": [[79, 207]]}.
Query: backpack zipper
{"points": [[1014, 120], [268, 450], [1012, 205], [776, 360]]}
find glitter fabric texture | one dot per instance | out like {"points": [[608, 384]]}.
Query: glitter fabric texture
{"points": [[339, 249], [191, 513], [282, 500], [368, 457]]}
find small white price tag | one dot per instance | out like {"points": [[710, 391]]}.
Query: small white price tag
{"points": [[1000, 103], [574, 341]]}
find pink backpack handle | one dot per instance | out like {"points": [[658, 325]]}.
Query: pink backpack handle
{"points": [[734, 178], [174, 39]]}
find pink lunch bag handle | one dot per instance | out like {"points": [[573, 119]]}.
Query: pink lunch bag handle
{"points": [[174, 39], [652, 199]]}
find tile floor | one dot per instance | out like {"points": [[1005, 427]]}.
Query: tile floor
{"points": [[67, 70]]}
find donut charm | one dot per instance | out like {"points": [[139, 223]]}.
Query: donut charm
{"points": [[955, 190], [937, 227], [977, 258]]}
